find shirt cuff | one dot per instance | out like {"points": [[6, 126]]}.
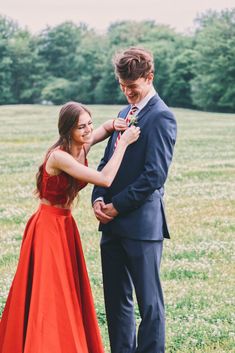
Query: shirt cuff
{"points": [[98, 199]]}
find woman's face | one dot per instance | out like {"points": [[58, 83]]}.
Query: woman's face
{"points": [[82, 133]]}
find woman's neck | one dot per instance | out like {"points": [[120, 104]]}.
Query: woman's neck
{"points": [[76, 150]]}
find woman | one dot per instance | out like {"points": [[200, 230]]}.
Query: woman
{"points": [[50, 308]]}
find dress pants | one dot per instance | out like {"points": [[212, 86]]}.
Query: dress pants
{"points": [[128, 263]]}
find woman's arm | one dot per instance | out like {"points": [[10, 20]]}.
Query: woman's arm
{"points": [[107, 128], [63, 161]]}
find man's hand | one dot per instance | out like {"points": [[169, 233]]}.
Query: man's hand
{"points": [[98, 208], [109, 210]]}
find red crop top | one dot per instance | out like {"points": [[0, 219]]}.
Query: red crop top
{"points": [[54, 186]]}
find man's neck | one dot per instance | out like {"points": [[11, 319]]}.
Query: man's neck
{"points": [[145, 100]]}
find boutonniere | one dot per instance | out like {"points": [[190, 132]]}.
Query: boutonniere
{"points": [[133, 121]]}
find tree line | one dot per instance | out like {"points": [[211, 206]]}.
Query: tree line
{"points": [[73, 62]]}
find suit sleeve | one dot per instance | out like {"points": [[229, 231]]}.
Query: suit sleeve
{"points": [[158, 156], [99, 191]]}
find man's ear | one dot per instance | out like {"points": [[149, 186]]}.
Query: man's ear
{"points": [[150, 77]]}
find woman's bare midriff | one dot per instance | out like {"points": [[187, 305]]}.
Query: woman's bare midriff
{"points": [[48, 203]]}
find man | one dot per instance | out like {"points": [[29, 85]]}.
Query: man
{"points": [[131, 212]]}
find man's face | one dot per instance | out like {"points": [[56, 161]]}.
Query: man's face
{"points": [[136, 90]]}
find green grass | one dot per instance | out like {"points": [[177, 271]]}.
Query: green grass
{"points": [[198, 262]]}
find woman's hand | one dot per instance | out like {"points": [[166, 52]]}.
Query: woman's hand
{"points": [[131, 135], [119, 124]]}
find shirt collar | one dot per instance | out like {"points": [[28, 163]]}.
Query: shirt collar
{"points": [[145, 100]]}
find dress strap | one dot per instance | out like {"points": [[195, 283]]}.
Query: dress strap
{"points": [[49, 153]]}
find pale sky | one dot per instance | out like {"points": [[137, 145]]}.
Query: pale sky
{"points": [[99, 14]]}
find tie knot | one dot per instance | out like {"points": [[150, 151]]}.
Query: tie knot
{"points": [[133, 110]]}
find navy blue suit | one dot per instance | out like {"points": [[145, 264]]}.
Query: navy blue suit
{"points": [[131, 244]]}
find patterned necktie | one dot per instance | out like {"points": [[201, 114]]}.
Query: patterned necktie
{"points": [[131, 114]]}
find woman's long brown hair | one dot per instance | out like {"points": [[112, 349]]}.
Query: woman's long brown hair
{"points": [[68, 120]]}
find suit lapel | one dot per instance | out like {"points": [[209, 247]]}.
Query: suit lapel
{"points": [[148, 106], [122, 114]]}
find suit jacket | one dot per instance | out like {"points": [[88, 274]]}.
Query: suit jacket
{"points": [[138, 188]]}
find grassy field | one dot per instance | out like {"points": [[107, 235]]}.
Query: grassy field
{"points": [[198, 272]]}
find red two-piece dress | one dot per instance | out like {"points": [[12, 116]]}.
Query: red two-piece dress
{"points": [[50, 307]]}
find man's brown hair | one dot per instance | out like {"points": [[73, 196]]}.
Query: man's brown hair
{"points": [[133, 63]]}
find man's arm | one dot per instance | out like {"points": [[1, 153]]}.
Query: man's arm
{"points": [[159, 153]]}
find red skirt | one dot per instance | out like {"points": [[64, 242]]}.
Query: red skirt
{"points": [[50, 307]]}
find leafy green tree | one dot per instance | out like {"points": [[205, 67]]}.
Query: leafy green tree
{"points": [[165, 45], [129, 33], [7, 30], [90, 58], [107, 89], [71, 61], [58, 48], [58, 91], [213, 87], [8, 27], [178, 87], [27, 70], [6, 96], [21, 71]]}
